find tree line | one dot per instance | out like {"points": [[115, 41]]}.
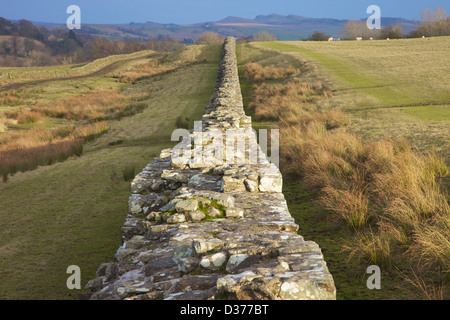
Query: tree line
{"points": [[434, 24], [30, 45]]}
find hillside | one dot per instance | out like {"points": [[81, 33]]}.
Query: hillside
{"points": [[290, 27], [27, 51]]}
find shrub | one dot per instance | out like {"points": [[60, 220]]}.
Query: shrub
{"points": [[319, 36], [391, 32]]}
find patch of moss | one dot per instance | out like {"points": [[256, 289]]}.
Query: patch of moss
{"points": [[139, 215], [204, 207]]}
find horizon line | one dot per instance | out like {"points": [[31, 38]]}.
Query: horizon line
{"points": [[195, 23]]}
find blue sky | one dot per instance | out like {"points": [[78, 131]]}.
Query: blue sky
{"points": [[192, 11]]}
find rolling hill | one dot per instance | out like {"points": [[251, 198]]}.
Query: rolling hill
{"points": [[290, 27]]}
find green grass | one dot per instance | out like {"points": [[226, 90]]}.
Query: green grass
{"points": [[397, 88], [393, 72], [10, 75], [72, 212], [429, 113]]}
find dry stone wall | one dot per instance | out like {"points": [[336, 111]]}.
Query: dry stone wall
{"points": [[204, 224]]}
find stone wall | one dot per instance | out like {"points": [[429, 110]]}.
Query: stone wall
{"points": [[208, 220]]}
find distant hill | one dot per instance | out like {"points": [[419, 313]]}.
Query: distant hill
{"points": [[290, 27]]}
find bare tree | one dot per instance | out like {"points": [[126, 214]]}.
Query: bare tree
{"points": [[264, 36], [358, 29], [434, 22], [29, 45], [209, 37]]}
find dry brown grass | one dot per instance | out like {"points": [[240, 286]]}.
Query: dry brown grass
{"points": [[144, 70], [93, 106], [255, 72], [36, 137], [27, 117], [3, 126], [400, 185], [10, 98], [14, 160], [350, 205], [373, 247], [290, 102], [430, 289], [27, 149]]}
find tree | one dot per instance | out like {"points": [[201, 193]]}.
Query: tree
{"points": [[6, 27], [26, 28], [28, 45], [391, 32], [355, 28], [351, 30], [97, 47], [319, 36], [72, 35], [209, 37], [264, 36], [41, 33], [434, 23]]}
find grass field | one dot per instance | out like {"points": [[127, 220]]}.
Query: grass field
{"points": [[386, 88], [398, 88], [11, 75], [72, 212]]}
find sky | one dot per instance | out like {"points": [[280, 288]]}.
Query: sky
{"points": [[194, 11]]}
